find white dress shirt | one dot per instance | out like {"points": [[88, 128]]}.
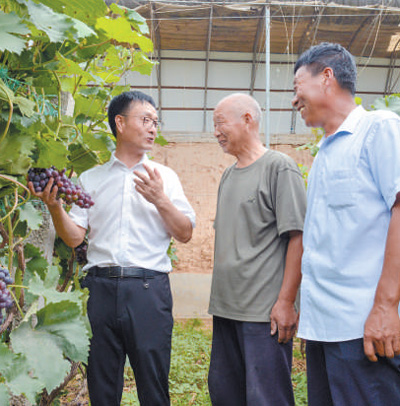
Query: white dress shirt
{"points": [[124, 228]]}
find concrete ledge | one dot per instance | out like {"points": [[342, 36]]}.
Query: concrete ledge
{"points": [[191, 294], [276, 139]]}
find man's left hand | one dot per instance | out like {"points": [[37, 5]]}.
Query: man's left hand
{"points": [[284, 320], [382, 333], [150, 187]]}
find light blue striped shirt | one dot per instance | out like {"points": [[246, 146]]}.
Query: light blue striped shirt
{"points": [[352, 187]]}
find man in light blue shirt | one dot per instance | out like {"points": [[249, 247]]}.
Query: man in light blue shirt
{"points": [[350, 290]]}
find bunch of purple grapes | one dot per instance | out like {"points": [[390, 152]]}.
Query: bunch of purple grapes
{"points": [[81, 253], [6, 300], [67, 190]]}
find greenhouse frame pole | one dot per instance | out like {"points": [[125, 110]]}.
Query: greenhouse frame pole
{"points": [[267, 76]]}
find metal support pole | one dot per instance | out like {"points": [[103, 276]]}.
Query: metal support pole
{"points": [[267, 76], [157, 44], [208, 47]]}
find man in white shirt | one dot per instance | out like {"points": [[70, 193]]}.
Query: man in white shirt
{"points": [[350, 290], [139, 206]]}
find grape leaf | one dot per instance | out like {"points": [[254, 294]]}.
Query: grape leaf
{"points": [[35, 262], [11, 24], [118, 89], [6, 94], [47, 289], [14, 154], [81, 157], [4, 395], [6, 357], [65, 323], [391, 103], [142, 64], [25, 105], [82, 30], [51, 151], [33, 217], [61, 318], [87, 10], [89, 106], [100, 141], [112, 58], [55, 25], [16, 370], [109, 77], [48, 366], [145, 43], [120, 30], [68, 67], [132, 16]]}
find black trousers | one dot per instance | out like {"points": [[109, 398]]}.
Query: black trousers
{"points": [[129, 317], [248, 366]]}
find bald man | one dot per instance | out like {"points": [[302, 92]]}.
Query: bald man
{"points": [[258, 247]]}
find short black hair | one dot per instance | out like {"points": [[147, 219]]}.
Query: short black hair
{"points": [[334, 56], [121, 103]]}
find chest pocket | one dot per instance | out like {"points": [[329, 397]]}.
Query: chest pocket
{"points": [[342, 188]]}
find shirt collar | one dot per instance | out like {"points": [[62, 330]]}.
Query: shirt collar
{"points": [[115, 161], [348, 126]]}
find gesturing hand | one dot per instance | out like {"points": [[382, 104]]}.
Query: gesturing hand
{"points": [[150, 187]]}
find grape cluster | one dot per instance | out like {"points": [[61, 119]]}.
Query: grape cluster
{"points": [[5, 296], [81, 253], [67, 190]]}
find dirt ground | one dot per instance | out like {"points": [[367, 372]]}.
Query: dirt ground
{"points": [[199, 167]]}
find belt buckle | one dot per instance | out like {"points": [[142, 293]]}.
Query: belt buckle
{"points": [[119, 275]]}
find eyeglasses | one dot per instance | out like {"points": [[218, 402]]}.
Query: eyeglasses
{"points": [[148, 122]]}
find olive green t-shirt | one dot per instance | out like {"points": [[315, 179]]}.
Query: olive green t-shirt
{"points": [[257, 206]]}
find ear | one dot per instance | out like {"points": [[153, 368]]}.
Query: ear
{"points": [[327, 75], [119, 123], [248, 118]]}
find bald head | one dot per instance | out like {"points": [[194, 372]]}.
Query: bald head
{"points": [[239, 104]]}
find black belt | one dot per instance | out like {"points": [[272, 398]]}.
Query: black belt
{"points": [[123, 272]]}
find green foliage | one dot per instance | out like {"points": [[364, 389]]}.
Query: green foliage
{"points": [[11, 24], [299, 380], [59, 332], [190, 359], [172, 253], [391, 102], [313, 147], [53, 51]]}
